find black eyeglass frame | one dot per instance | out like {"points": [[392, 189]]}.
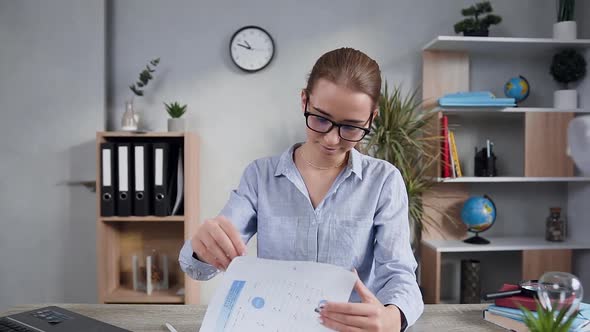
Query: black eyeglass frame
{"points": [[335, 124]]}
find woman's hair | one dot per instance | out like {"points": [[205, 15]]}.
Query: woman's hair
{"points": [[350, 68]]}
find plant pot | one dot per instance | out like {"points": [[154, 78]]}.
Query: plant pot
{"points": [[565, 30], [176, 124], [480, 33], [565, 99]]}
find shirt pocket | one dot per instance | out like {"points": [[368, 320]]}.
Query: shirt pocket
{"points": [[350, 240]]}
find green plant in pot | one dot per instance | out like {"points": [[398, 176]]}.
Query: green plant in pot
{"points": [[568, 66], [130, 120], [565, 28], [400, 135], [476, 24], [548, 320], [176, 111]]}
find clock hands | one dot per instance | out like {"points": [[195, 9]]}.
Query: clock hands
{"points": [[247, 46]]}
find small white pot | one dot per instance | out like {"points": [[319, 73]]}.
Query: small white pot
{"points": [[565, 30], [176, 124], [565, 99]]}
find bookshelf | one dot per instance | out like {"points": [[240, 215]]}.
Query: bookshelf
{"points": [[120, 237], [537, 137]]}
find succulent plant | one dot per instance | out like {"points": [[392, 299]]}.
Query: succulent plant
{"points": [[175, 110]]}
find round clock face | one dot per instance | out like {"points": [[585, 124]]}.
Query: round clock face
{"points": [[251, 48]]}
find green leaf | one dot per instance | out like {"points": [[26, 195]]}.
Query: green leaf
{"points": [[175, 110]]}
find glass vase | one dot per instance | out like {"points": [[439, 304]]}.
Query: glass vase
{"points": [[129, 121]]}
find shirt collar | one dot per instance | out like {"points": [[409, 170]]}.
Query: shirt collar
{"points": [[286, 162]]}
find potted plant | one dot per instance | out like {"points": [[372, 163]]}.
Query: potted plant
{"points": [[548, 320], [130, 119], [474, 24], [565, 28], [568, 66], [175, 110], [400, 135]]}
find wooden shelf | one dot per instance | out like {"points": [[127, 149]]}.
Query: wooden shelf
{"points": [[518, 179], [503, 244], [140, 134], [517, 110], [127, 295], [501, 45], [143, 219]]}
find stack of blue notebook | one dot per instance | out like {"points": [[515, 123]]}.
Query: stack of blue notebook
{"points": [[513, 319], [475, 99]]}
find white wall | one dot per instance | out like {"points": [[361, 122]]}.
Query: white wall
{"points": [[51, 104], [241, 117]]}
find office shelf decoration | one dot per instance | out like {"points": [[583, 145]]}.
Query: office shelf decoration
{"points": [[568, 66], [517, 88], [176, 111], [150, 271], [478, 214], [476, 24], [400, 135], [558, 303], [565, 28], [131, 119]]}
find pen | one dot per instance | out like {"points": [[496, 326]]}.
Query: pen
{"points": [[170, 328]]}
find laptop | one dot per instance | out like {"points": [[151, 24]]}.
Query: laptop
{"points": [[49, 319]]}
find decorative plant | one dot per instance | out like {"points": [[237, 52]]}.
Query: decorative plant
{"points": [[565, 10], [477, 25], [548, 320], [144, 77], [175, 110], [400, 135], [568, 66]]}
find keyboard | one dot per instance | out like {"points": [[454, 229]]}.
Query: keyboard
{"points": [[6, 325]]}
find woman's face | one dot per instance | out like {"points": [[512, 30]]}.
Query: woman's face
{"points": [[338, 104]]}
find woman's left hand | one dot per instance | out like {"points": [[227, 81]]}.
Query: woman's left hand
{"points": [[370, 315]]}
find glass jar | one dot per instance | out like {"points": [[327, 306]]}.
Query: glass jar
{"points": [[555, 229], [129, 121]]}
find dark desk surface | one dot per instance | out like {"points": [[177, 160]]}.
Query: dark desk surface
{"points": [[187, 318]]}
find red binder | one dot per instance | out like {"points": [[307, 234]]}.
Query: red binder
{"points": [[445, 153]]}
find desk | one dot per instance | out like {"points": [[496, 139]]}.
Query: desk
{"points": [[186, 318]]}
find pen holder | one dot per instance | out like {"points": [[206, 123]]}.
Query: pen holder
{"points": [[484, 165]]}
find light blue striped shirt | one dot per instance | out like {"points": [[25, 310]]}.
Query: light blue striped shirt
{"points": [[362, 222]]}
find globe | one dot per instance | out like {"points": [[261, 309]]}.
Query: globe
{"points": [[478, 214], [517, 88]]}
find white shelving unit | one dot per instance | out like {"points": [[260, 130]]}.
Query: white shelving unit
{"points": [[513, 179], [446, 68], [504, 244], [502, 45]]}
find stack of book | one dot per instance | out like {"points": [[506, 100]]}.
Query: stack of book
{"points": [[475, 99], [449, 156], [506, 313]]}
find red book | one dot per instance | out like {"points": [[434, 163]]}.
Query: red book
{"points": [[445, 153], [515, 300]]}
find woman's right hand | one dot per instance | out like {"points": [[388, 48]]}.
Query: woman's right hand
{"points": [[218, 242]]}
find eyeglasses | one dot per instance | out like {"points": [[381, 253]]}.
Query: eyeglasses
{"points": [[323, 125]]}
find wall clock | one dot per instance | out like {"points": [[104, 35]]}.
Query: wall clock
{"points": [[251, 48]]}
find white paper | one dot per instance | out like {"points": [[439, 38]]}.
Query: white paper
{"points": [[269, 295], [139, 185]]}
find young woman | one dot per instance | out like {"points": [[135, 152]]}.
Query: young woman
{"points": [[323, 201]]}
